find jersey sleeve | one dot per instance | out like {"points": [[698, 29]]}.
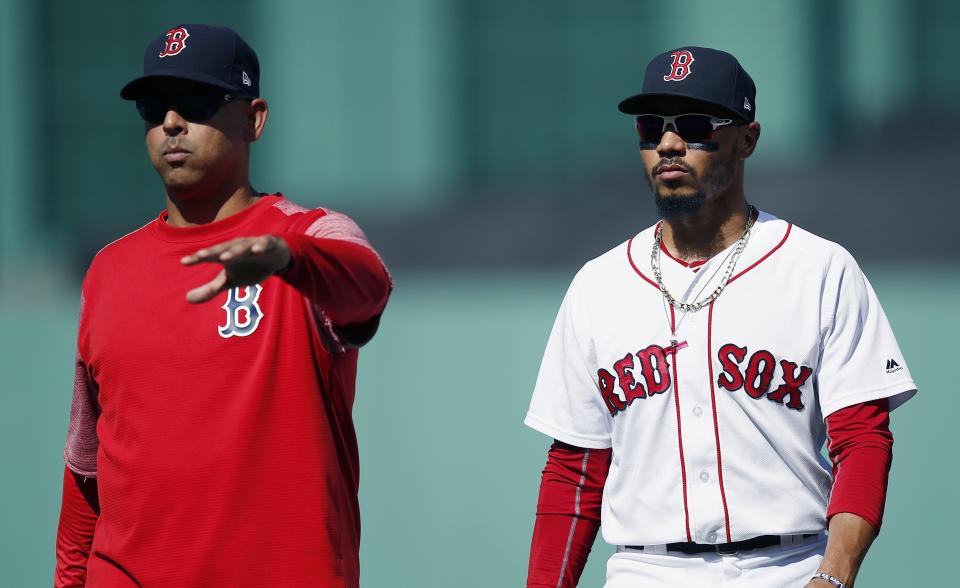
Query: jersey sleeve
{"points": [[79, 512], [860, 358], [568, 515], [566, 403], [80, 452], [861, 450], [337, 269]]}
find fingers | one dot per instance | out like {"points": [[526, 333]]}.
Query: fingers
{"points": [[208, 254], [262, 244], [245, 261], [230, 250], [209, 290]]}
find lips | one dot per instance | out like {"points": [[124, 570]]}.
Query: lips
{"points": [[670, 171], [175, 155]]}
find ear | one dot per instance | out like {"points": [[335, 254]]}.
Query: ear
{"points": [[256, 119], [750, 139]]}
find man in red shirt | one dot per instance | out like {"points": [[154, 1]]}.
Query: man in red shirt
{"points": [[211, 441]]}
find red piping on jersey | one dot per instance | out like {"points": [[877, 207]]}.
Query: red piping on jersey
{"points": [[716, 426], [676, 401], [693, 265], [634, 266], [753, 265], [769, 253]]}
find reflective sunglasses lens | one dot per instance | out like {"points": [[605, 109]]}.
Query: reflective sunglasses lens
{"points": [[694, 128], [650, 128]]}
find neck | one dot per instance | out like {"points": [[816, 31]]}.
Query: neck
{"points": [[194, 210], [708, 231]]}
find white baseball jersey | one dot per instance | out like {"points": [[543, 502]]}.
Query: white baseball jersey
{"points": [[719, 440]]}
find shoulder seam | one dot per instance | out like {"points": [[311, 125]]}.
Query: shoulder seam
{"points": [[118, 239]]}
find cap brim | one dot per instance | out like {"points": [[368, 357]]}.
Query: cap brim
{"points": [[672, 103], [145, 85]]}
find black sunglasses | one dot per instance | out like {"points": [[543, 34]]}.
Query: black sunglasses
{"points": [[195, 108], [692, 127]]}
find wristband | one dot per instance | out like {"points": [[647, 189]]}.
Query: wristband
{"points": [[829, 578]]}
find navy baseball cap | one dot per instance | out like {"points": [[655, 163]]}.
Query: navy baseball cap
{"points": [[214, 56], [697, 74]]}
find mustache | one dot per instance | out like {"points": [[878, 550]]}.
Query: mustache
{"points": [[672, 161]]}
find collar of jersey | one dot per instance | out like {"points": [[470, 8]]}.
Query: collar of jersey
{"points": [[692, 265], [696, 264], [214, 230]]}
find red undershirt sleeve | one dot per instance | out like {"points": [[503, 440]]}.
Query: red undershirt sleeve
{"points": [[861, 449], [79, 511], [568, 515], [335, 267]]}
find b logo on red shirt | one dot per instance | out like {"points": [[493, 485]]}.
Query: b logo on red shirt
{"points": [[176, 42], [243, 312], [680, 68]]}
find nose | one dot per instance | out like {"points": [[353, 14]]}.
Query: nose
{"points": [[671, 143], [173, 123]]}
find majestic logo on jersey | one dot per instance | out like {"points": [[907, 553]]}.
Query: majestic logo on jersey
{"points": [[680, 68], [176, 42], [620, 390], [893, 366], [243, 312], [758, 378]]}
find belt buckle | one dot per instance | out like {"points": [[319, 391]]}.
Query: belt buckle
{"points": [[721, 550]]}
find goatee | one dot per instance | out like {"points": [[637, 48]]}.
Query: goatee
{"points": [[678, 205]]}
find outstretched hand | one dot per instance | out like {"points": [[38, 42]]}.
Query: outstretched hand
{"points": [[245, 260]]}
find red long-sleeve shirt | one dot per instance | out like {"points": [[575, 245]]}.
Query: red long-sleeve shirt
{"points": [[219, 435]]}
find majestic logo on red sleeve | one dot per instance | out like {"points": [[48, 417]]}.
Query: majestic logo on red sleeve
{"points": [[680, 68], [243, 312], [176, 42]]}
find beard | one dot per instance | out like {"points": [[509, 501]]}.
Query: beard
{"points": [[678, 204], [671, 204]]}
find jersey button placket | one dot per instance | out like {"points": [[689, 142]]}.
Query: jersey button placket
{"points": [[699, 444]]}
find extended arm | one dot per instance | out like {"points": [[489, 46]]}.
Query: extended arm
{"points": [[568, 515], [345, 279], [329, 261]]}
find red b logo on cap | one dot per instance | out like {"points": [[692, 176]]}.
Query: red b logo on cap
{"points": [[680, 68], [176, 42]]}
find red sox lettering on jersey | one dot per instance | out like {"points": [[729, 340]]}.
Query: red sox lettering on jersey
{"points": [[680, 68], [711, 437], [176, 42], [647, 373]]}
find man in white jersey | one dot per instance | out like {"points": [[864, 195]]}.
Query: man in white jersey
{"points": [[695, 372]]}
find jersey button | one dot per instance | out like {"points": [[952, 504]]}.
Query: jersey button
{"points": [[704, 477], [697, 411], [712, 537]]}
